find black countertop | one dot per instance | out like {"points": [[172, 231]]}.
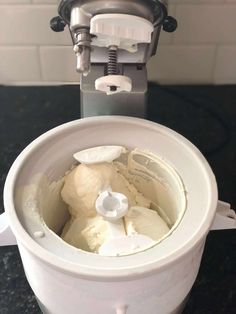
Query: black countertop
{"points": [[206, 115]]}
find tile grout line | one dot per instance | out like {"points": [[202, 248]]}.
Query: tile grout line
{"points": [[214, 63], [40, 63], [174, 15]]}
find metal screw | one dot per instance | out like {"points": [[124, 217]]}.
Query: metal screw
{"points": [[170, 24], [57, 24], [113, 88]]}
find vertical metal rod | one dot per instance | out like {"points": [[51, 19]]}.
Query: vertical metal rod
{"points": [[82, 49], [112, 67]]}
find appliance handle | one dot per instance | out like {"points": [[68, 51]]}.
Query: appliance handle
{"points": [[6, 235], [225, 217]]}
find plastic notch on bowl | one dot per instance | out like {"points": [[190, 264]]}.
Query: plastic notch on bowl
{"points": [[6, 235]]}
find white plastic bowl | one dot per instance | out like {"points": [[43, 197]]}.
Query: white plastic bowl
{"points": [[71, 280]]}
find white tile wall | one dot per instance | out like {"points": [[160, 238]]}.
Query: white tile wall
{"points": [[225, 70], [202, 50], [212, 24], [197, 1], [45, 1], [182, 64], [19, 64], [58, 64], [14, 1], [29, 25]]}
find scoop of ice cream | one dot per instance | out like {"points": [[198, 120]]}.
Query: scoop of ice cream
{"points": [[86, 233], [90, 233], [88, 230], [84, 183], [145, 221]]}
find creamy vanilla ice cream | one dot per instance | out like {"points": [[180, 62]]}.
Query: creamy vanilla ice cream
{"points": [[88, 230], [84, 183], [145, 221], [86, 233]]}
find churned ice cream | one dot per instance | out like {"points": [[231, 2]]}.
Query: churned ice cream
{"points": [[88, 230], [84, 183]]}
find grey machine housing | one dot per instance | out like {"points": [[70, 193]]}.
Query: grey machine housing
{"points": [[94, 62]]}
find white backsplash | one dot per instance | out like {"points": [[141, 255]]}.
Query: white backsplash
{"points": [[202, 50]]}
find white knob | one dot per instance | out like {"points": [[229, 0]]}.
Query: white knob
{"points": [[121, 82], [122, 30], [112, 205]]}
